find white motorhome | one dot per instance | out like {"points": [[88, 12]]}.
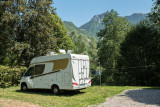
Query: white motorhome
{"points": [[58, 72]]}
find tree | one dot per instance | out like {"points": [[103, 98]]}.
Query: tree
{"points": [[139, 57], [8, 25], [31, 28], [109, 40], [92, 51], [60, 33], [79, 41], [111, 37], [154, 15], [74, 35], [81, 45]]}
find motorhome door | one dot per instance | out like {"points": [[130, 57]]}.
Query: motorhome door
{"points": [[80, 71], [83, 71]]}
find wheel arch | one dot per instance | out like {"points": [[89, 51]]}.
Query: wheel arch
{"points": [[54, 85], [23, 83]]}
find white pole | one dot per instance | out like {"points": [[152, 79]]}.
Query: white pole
{"points": [[100, 72]]}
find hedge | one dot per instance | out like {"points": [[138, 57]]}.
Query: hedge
{"points": [[10, 76]]}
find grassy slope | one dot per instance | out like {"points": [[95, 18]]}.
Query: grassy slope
{"points": [[90, 96]]}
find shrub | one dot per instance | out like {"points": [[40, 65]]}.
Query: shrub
{"points": [[10, 76]]}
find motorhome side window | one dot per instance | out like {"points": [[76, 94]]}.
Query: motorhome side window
{"points": [[39, 69], [29, 72]]}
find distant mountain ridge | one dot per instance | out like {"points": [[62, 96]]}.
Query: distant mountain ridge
{"points": [[92, 27], [136, 17], [95, 24]]}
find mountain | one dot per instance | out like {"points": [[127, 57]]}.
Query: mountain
{"points": [[95, 24], [71, 27], [136, 17]]}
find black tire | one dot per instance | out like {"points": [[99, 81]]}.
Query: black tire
{"points": [[55, 90], [24, 87]]}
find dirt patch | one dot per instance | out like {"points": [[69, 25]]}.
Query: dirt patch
{"points": [[15, 103]]}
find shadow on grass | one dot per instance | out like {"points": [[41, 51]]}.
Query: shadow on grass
{"points": [[49, 93], [149, 96]]}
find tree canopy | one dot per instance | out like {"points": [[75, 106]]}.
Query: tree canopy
{"points": [[110, 39], [139, 57], [30, 28]]}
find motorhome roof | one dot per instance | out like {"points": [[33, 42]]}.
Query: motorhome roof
{"points": [[60, 56], [78, 56]]}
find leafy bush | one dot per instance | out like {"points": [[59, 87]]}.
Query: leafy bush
{"points": [[10, 76]]}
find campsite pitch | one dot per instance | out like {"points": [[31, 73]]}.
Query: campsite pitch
{"points": [[91, 96]]}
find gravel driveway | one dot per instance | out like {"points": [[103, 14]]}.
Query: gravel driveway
{"points": [[134, 98]]}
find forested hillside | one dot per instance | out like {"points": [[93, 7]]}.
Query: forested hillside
{"points": [[71, 27]]}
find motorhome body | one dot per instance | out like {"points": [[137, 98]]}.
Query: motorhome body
{"points": [[58, 72]]}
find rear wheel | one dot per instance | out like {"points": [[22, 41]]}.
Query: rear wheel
{"points": [[24, 87], [55, 90]]}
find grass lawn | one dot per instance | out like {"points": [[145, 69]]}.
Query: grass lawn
{"points": [[90, 96]]}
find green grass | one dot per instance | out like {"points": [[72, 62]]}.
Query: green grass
{"points": [[90, 96]]}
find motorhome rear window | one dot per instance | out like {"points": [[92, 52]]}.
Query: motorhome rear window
{"points": [[39, 69]]}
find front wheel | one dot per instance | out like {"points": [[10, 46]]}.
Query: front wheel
{"points": [[24, 87], [55, 90]]}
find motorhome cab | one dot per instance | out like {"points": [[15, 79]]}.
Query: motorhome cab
{"points": [[58, 72]]}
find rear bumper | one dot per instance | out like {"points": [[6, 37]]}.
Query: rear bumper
{"points": [[79, 87]]}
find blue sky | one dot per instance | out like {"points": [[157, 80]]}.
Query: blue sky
{"points": [[81, 11]]}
